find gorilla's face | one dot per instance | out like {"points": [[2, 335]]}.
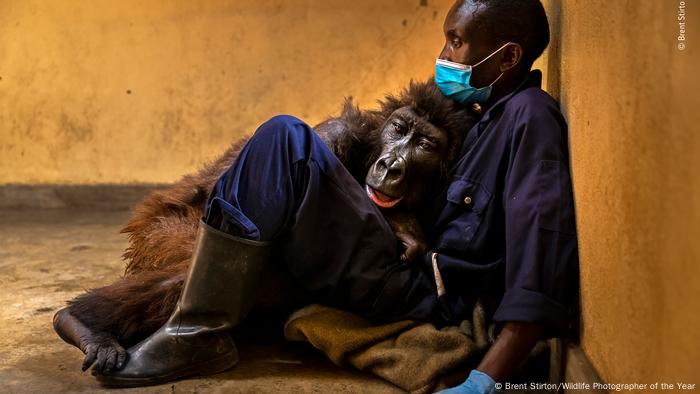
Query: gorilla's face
{"points": [[412, 157]]}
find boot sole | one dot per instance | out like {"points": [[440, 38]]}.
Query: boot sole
{"points": [[211, 367]]}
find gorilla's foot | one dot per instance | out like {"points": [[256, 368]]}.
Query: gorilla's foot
{"points": [[100, 349], [166, 356]]}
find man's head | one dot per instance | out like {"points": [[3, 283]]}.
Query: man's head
{"points": [[474, 29]]}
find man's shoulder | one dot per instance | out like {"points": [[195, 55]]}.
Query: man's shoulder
{"points": [[531, 99], [535, 113]]}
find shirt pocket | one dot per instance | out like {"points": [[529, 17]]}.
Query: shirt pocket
{"points": [[468, 200], [555, 204]]}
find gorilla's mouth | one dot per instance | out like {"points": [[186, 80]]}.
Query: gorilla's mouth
{"points": [[382, 199]]}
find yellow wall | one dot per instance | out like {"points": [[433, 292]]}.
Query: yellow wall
{"points": [[200, 73], [632, 102]]}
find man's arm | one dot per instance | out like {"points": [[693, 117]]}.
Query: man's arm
{"points": [[513, 344], [541, 256]]}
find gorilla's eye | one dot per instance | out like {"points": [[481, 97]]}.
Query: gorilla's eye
{"points": [[398, 127], [425, 145]]}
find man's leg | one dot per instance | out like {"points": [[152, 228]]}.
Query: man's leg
{"points": [[289, 188]]}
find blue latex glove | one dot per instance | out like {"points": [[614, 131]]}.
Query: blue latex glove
{"points": [[477, 383]]}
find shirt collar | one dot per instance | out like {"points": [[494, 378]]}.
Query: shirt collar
{"points": [[532, 79]]}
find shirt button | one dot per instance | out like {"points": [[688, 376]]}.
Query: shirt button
{"points": [[467, 200]]}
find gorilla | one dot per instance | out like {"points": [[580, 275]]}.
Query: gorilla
{"points": [[401, 152]]}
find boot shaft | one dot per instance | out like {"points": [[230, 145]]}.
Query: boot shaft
{"points": [[221, 281]]}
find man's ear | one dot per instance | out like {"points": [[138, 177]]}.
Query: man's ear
{"points": [[512, 56]]}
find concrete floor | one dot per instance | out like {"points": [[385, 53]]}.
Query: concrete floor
{"points": [[50, 256]]}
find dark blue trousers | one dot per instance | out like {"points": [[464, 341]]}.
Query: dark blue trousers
{"points": [[288, 187]]}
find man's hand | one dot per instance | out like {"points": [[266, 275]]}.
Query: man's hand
{"points": [[477, 383]]}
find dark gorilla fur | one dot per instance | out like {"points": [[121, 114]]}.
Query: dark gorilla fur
{"points": [[162, 229]]}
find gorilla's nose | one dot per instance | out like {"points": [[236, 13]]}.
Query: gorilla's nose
{"points": [[393, 167]]}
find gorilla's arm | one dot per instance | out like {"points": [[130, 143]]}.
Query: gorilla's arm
{"points": [[409, 232]]}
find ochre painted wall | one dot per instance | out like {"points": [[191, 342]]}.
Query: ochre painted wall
{"points": [[132, 91], [202, 73], [632, 102]]}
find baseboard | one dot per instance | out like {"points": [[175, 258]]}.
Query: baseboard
{"points": [[100, 196], [578, 369]]}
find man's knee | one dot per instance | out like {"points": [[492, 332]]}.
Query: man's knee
{"points": [[284, 127]]}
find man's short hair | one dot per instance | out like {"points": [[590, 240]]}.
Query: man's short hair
{"points": [[521, 21]]}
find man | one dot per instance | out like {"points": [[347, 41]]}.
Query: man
{"points": [[505, 225]]}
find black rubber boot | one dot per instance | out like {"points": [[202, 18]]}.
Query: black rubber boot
{"points": [[218, 293]]}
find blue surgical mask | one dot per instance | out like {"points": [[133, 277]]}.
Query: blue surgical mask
{"points": [[453, 80]]}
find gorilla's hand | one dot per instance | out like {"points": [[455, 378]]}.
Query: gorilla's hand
{"points": [[408, 231], [414, 248], [101, 349]]}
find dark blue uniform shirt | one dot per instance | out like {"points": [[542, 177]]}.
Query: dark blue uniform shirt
{"points": [[508, 213]]}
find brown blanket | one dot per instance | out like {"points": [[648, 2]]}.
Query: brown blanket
{"points": [[414, 356]]}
